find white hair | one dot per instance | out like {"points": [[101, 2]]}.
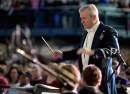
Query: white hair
{"points": [[92, 10]]}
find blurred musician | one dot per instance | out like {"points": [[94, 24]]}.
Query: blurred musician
{"points": [[91, 80], [121, 82], [3, 84], [68, 89], [19, 39], [64, 83]]}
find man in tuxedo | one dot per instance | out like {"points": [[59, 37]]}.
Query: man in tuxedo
{"points": [[96, 47]]}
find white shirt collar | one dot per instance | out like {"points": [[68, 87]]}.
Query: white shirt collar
{"points": [[94, 28]]}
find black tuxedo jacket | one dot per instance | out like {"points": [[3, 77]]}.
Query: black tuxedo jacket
{"points": [[105, 39]]}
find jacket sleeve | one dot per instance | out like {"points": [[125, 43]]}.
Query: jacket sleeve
{"points": [[71, 55]]}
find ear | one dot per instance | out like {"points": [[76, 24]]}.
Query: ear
{"points": [[94, 17]]}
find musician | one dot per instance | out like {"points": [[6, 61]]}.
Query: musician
{"points": [[13, 75], [52, 81], [64, 82], [37, 76], [98, 40], [120, 81], [19, 39], [91, 77], [24, 80], [13, 78], [3, 82], [66, 88]]}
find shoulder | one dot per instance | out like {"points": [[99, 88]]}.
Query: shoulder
{"points": [[85, 90], [110, 30]]}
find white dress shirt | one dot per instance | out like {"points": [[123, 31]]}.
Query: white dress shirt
{"points": [[88, 43]]}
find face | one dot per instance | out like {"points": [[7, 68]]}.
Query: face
{"points": [[35, 73], [23, 79], [86, 19], [14, 73]]}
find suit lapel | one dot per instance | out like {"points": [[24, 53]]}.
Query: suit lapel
{"points": [[97, 36], [84, 37]]}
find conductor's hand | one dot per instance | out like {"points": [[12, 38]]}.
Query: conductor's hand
{"points": [[85, 51], [57, 54]]}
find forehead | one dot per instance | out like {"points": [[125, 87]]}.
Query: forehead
{"points": [[34, 69], [13, 70], [84, 12]]}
